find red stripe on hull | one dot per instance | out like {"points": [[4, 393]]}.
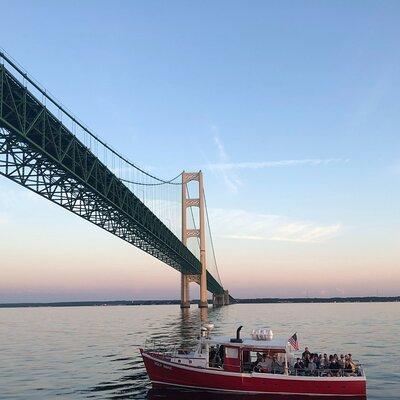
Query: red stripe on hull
{"points": [[162, 372]]}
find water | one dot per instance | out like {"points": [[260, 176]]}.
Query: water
{"points": [[92, 353]]}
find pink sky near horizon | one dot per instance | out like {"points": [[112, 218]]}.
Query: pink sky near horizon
{"points": [[41, 262]]}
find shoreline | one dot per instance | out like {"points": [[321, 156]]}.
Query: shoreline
{"points": [[289, 300]]}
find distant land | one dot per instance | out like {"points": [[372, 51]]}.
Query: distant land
{"points": [[367, 299]]}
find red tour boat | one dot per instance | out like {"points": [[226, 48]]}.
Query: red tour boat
{"points": [[259, 364]]}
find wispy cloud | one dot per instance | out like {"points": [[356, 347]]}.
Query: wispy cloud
{"points": [[231, 180], [241, 224], [228, 166], [228, 170]]}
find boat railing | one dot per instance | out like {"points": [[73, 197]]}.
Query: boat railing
{"points": [[325, 372], [321, 372], [157, 346]]}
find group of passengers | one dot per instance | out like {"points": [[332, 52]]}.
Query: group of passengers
{"points": [[310, 364], [313, 364]]}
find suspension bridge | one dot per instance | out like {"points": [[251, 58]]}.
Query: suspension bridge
{"points": [[46, 149]]}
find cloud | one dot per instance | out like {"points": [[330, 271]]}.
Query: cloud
{"points": [[306, 232], [231, 180], [228, 170], [241, 224], [227, 166]]}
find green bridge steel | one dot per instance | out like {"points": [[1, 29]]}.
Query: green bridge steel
{"points": [[40, 153]]}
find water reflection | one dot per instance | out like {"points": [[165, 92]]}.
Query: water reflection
{"points": [[133, 382], [204, 315]]}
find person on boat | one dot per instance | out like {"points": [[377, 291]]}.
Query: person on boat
{"points": [[217, 359], [276, 366], [341, 361], [349, 366], [311, 367], [221, 351], [318, 360], [351, 359], [333, 366], [305, 353], [306, 359], [212, 355], [254, 365], [324, 365], [325, 361], [299, 367]]}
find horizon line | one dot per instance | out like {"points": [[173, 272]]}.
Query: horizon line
{"points": [[256, 300]]}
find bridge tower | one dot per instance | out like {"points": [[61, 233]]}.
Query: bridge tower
{"points": [[189, 233]]}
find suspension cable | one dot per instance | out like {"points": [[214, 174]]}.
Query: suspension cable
{"points": [[14, 64], [170, 182], [211, 238]]}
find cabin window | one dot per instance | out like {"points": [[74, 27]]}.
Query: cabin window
{"points": [[264, 361], [231, 352], [216, 356]]}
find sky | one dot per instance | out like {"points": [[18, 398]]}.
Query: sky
{"points": [[290, 108]]}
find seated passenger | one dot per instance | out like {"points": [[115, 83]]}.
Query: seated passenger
{"points": [[311, 367], [333, 366], [341, 361], [276, 366], [351, 359], [349, 366], [325, 361], [318, 360], [299, 367]]}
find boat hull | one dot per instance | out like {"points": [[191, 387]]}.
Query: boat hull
{"points": [[163, 373]]}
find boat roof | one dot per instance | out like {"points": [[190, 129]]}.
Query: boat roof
{"points": [[274, 344]]}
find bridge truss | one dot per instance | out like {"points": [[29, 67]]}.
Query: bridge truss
{"points": [[40, 153]]}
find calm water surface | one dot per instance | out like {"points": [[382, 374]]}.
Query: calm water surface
{"points": [[92, 353]]}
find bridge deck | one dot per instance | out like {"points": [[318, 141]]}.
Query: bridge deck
{"points": [[40, 153]]}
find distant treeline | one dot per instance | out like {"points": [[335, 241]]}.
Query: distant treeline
{"points": [[368, 299], [92, 303]]}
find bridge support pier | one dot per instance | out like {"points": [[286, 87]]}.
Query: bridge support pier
{"points": [[222, 299], [198, 233], [185, 299]]}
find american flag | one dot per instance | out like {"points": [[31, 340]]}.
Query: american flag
{"points": [[293, 341]]}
